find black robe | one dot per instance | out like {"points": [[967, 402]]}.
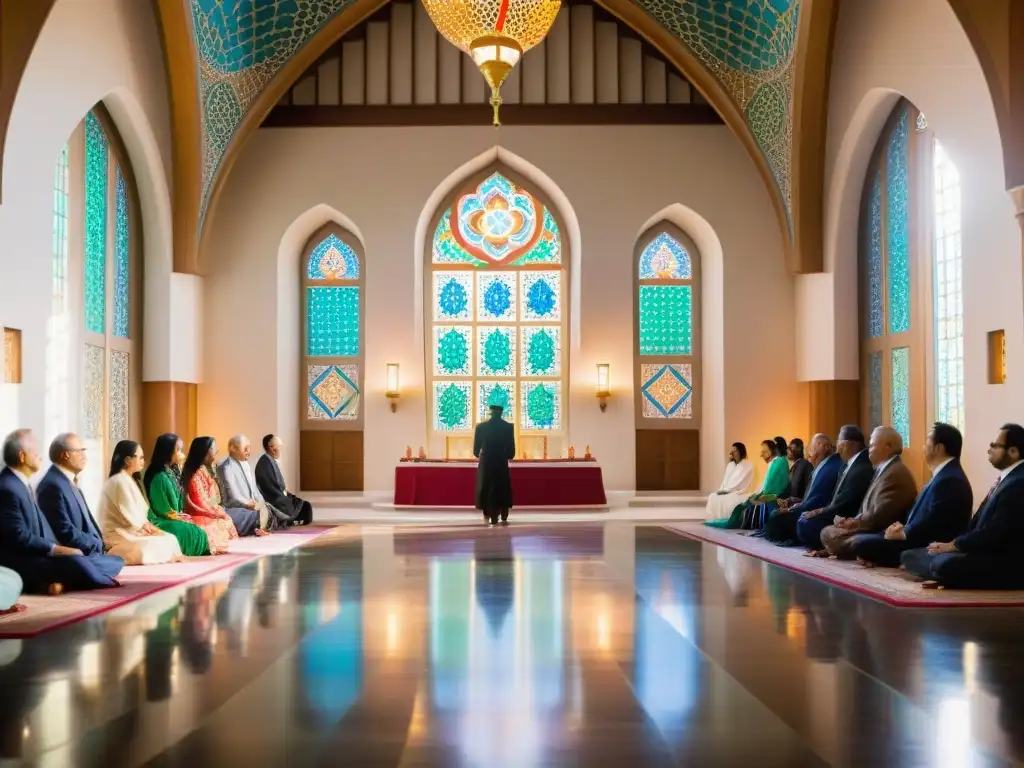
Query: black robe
{"points": [[495, 445], [270, 482]]}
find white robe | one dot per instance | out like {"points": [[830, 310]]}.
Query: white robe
{"points": [[736, 487], [123, 510]]}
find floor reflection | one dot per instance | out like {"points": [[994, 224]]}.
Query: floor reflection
{"points": [[558, 645]]}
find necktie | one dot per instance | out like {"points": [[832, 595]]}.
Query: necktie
{"points": [[988, 495], [90, 524]]}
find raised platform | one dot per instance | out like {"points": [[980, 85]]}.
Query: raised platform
{"points": [[889, 585]]}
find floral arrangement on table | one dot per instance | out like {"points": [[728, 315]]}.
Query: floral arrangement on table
{"points": [[422, 456]]}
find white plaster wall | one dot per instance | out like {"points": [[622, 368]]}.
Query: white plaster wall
{"points": [[918, 49], [615, 179], [101, 50]]}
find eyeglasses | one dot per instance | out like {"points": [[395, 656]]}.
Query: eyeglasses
{"points": [[76, 450], [993, 446]]}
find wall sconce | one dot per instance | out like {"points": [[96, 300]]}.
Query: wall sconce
{"points": [[391, 389], [603, 390]]}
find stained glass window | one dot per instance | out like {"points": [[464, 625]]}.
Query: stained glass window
{"points": [[901, 392], [332, 272], [664, 326], [897, 219], [875, 389], [58, 350], [96, 162], [120, 378], [949, 310], [122, 284], [876, 312], [94, 394], [497, 310]]}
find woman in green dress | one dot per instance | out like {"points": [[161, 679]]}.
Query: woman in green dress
{"points": [[166, 500], [775, 482]]}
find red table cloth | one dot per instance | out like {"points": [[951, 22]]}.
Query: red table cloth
{"points": [[549, 484]]}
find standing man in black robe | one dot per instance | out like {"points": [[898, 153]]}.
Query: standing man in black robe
{"points": [[494, 444]]}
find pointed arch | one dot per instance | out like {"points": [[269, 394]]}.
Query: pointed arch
{"points": [[496, 312]]}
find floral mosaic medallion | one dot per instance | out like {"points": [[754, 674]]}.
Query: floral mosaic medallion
{"points": [[666, 391], [333, 393]]}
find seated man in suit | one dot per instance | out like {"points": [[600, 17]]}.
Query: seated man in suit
{"points": [[28, 545], [853, 482], [985, 557], [781, 528], [942, 510], [62, 502], [890, 495], [270, 482], [239, 489]]}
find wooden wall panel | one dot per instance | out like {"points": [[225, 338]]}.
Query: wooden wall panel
{"points": [[401, 53], [425, 43], [168, 406], [832, 404], [330, 461], [668, 460], [606, 54], [581, 49], [557, 59], [377, 62], [631, 71]]}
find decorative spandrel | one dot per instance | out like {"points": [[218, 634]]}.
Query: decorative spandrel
{"points": [[666, 320], [665, 258], [97, 151], [496, 296], [540, 405], [120, 378], [122, 258], [897, 223], [876, 312], [667, 391], [875, 389], [453, 296], [332, 321], [541, 351], [901, 392], [453, 406], [453, 350], [333, 259], [496, 351], [332, 392], [501, 393], [93, 393], [541, 298]]}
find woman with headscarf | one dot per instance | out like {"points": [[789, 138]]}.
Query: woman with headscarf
{"points": [[167, 502], [127, 531], [203, 497], [775, 481]]}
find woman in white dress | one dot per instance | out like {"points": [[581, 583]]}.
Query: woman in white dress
{"points": [[735, 486], [124, 510]]}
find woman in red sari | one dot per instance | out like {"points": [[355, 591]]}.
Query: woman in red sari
{"points": [[202, 494]]}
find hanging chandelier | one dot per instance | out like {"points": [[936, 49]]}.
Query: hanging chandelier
{"points": [[495, 33]]}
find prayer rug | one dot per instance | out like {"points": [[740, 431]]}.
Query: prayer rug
{"points": [[889, 585], [46, 613]]}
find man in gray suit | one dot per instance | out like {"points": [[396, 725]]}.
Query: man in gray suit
{"points": [[238, 485]]}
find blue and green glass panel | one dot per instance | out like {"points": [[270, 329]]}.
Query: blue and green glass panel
{"points": [[453, 406], [453, 345], [876, 311], [897, 223], [541, 296], [332, 321], [901, 392], [501, 393], [875, 389], [666, 320], [333, 259], [665, 258], [453, 296], [97, 151], [496, 351], [496, 296], [122, 258], [541, 353], [541, 405]]}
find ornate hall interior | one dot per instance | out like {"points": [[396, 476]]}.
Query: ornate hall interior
{"points": [[700, 223]]}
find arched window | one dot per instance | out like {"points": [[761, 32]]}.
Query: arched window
{"points": [[667, 355], [912, 329], [95, 309], [496, 325], [332, 368]]}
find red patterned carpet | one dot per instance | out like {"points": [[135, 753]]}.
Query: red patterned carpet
{"points": [[886, 584], [48, 613]]}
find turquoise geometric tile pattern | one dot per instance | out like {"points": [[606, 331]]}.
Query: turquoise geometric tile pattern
{"points": [[97, 152], [747, 45], [332, 321]]}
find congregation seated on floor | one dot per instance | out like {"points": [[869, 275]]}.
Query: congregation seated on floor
{"points": [[50, 541], [862, 503]]}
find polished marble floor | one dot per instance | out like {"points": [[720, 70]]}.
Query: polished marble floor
{"points": [[580, 644]]}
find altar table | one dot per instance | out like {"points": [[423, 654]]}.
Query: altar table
{"points": [[540, 484]]}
